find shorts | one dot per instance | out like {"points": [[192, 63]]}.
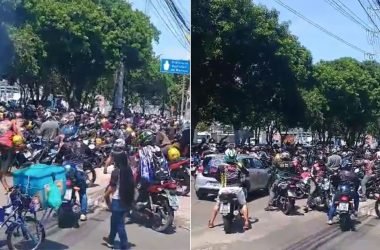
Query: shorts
{"points": [[233, 190]]}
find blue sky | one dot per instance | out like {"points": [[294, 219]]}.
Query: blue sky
{"points": [[168, 46], [320, 44]]}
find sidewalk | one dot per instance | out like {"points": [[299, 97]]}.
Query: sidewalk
{"points": [[96, 202]]}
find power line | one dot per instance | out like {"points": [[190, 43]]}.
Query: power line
{"points": [[178, 14], [373, 8], [369, 16], [347, 13], [322, 28], [168, 26], [175, 23]]}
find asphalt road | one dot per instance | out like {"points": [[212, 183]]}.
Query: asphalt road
{"points": [[275, 231], [90, 233]]}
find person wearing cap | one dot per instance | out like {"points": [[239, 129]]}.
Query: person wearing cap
{"points": [[49, 128]]}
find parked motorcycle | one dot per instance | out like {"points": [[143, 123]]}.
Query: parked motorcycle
{"points": [[286, 195], [230, 210], [162, 203], [180, 172], [322, 195]]}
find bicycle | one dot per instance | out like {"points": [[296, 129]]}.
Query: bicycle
{"points": [[24, 211]]}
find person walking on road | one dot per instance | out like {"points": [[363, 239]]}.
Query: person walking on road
{"points": [[121, 188]]}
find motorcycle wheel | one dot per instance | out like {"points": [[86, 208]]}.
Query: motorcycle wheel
{"points": [[227, 224], [345, 222], [288, 206], [300, 193], [90, 177], [377, 209], [165, 213]]}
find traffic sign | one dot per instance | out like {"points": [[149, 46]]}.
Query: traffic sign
{"points": [[170, 66]]}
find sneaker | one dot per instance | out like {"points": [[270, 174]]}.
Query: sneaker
{"points": [[83, 217], [330, 222], [107, 243], [355, 214]]}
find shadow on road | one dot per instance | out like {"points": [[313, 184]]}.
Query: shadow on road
{"points": [[238, 224], [48, 245], [142, 221]]}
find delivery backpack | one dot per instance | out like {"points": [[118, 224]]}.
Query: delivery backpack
{"points": [[69, 214]]}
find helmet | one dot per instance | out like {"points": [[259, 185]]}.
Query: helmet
{"points": [[230, 156], [119, 143], [285, 156], [146, 137], [173, 154], [29, 126], [47, 115], [17, 140], [129, 130], [98, 141]]}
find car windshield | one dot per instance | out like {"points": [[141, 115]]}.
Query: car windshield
{"points": [[251, 163], [211, 163]]}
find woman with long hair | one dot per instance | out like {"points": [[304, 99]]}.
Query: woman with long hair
{"points": [[121, 189]]}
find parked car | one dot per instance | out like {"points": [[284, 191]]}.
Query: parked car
{"points": [[206, 184]]}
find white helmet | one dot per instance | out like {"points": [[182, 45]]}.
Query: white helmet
{"points": [[119, 143], [230, 155]]}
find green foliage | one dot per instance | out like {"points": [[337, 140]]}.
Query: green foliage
{"points": [[81, 43], [249, 70], [244, 62]]}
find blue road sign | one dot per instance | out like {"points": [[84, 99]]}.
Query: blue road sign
{"points": [[169, 66]]}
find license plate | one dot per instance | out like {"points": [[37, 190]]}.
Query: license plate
{"points": [[173, 201], [343, 207], [291, 193], [225, 208], [68, 194]]}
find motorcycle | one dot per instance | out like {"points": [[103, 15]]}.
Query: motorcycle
{"points": [[303, 186], [180, 172], [162, 202], [286, 195], [322, 195], [345, 208], [229, 209]]}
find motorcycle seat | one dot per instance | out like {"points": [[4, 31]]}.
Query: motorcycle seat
{"points": [[227, 196]]}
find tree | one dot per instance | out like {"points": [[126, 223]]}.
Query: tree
{"points": [[344, 97], [245, 61]]}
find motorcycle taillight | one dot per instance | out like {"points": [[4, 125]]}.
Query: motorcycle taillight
{"points": [[344, 198]]}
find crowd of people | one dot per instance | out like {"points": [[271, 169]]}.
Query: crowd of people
{"points": [[342, 165], [128, 134]]}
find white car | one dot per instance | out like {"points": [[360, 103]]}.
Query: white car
{"points": [[206, 184]]}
